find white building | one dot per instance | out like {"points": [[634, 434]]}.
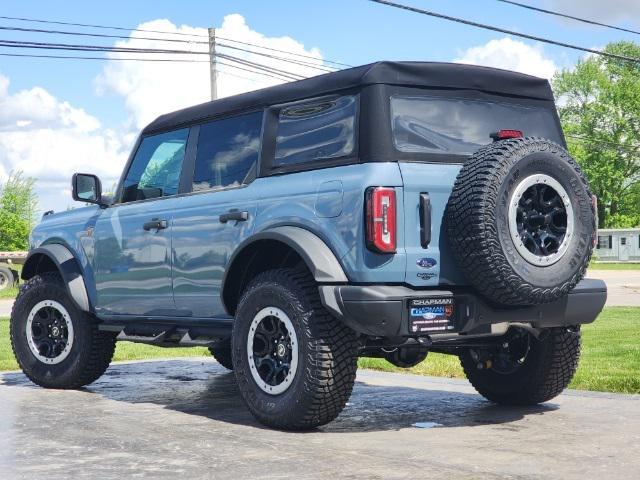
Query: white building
{"points": [[618, 245]]}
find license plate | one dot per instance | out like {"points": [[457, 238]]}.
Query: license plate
{"points": [[431, 315]]}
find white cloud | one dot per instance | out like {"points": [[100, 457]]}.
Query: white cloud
{"points": [[50, 139], [510, 54], [153, 88], [611, 10]]}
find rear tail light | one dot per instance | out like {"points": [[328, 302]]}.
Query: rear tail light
{"points": [[381, 219], [505, 134]]}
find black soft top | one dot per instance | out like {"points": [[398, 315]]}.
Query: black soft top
{"points": [[411, 74]]}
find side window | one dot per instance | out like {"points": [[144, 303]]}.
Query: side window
{"points": [[227, 151], [320, 129], [155, 170]]}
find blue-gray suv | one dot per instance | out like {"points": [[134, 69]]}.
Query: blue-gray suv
{"points": [[387, 211]]}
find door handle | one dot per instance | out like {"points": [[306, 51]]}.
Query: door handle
{"points": [[236, 215], [425, 220], [155, 224]]}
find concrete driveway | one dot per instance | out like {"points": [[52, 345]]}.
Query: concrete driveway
{"points": [[623, 286], [5, 307], [185, 419]]}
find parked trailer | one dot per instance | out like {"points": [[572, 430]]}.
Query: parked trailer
{"points": [[9, 276]]}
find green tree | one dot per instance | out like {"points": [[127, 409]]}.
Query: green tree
{"points": [[18, 208], [599, 106]]}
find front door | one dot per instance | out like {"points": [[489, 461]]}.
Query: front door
{"points": [[133, 237]]}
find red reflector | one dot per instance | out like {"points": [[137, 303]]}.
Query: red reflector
{"points": [[505, 134], [381, 219]]}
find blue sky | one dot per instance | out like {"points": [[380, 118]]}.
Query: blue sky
{"points": [[350, 31]]}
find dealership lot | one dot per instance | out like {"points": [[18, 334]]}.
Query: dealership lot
{"points": [[185, 418]]}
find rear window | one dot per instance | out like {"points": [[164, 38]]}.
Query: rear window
{"points": [[319, 129], [460, 126]]}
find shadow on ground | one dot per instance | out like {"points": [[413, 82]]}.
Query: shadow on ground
{"points": [[206, 389]]}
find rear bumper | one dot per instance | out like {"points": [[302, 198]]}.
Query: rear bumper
{"points": [[383, 311]]}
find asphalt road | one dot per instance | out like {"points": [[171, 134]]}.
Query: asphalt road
{"points": [[185, 419]]}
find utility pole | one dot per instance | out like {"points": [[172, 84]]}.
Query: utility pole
{"points": [[213, 60]]}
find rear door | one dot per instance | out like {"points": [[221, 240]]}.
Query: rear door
{"points": [[217, 215]]}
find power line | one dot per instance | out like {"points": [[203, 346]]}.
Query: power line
{"points": [[276, 57], [260, 66], [564, 15], [103, 27], [504, 30], [99, 48], [254, 71], [106, 27], [98, 35], [73, 57], [324, 60]]}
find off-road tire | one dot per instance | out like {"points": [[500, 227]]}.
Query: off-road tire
{"points": [[221, 351], [90, 353], [327, 353], [478, 226], [546, 372]]}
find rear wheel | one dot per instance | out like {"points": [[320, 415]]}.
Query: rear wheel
{"points": [[295, 364], [522, 369], [56, 344]]}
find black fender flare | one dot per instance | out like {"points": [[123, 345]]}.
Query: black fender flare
{"points": [[319, 258], [68, 267]]}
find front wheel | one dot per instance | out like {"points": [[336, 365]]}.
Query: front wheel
{"points": [[56, 344], [295, 364], [522, 369]]}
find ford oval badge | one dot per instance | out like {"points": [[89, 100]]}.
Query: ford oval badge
{"points": [[426, 262]]}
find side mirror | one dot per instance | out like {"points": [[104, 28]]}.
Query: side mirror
{"points": [[87, 188]]}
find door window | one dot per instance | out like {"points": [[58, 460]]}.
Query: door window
{"points": [[156, 167], [228, 152]]}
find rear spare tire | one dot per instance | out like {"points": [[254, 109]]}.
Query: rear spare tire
{"points": [[521, 221]]}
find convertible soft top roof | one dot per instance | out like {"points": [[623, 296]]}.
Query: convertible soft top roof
{"points": [[413, 74]]}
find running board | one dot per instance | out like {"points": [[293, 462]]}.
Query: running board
{"points": [[168, 332], [173, 338]]}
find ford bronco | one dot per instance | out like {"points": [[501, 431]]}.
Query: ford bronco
{"points": [[388, 210]]}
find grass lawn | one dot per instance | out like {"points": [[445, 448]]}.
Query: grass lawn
{"points": [[614, 266], [610, 354]]}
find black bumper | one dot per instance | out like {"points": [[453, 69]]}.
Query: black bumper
{"points": [[383, 311]]}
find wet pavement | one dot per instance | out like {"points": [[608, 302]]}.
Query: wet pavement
{"points": [[184, 418]]}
